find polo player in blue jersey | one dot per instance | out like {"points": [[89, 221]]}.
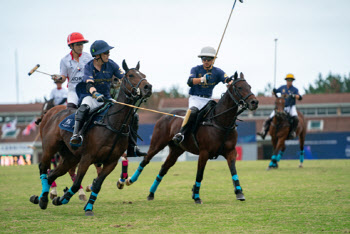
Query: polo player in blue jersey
{"points": [[291, 94], [202, 81]]}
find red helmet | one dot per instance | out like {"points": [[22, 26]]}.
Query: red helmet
{"points": [[76, 37]]}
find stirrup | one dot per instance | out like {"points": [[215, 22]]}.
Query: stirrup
{"points": [[76, 140], [178, 138]]}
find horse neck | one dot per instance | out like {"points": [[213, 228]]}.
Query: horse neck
{"points": [[225, 103], [120, 112]]}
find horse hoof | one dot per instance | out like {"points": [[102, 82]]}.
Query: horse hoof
{"points": [[198, 201], [56, 201], [88, 188], [128, 182], [150, 197], [301, 166], [89, 213], [120, 185], [43, 202], [240, 197], [82, 197], [52, 196], [34, 199]]}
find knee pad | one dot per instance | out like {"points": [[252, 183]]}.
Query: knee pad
{"points": [[81, 112]]}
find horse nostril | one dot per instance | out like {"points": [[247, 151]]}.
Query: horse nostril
{"points": [[254, 102], [148, 87]]}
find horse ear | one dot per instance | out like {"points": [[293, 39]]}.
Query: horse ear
{"points": [[125, 67], [138, 66], [241, 75], [235, 75]]}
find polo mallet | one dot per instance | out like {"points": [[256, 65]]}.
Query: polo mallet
{"points": [[36, 138], [35, 69], [217, 51]]}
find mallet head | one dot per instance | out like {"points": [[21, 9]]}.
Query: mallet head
{"points": [[34, 69]]}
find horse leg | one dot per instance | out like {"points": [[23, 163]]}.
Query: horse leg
{"points": [[98, 167], [82, 196], [277, 153], [124, 174], [155, 147], [302, 152], [96, 186], [273, 162], [44, 166], [202, 162], [174, 153], [231, 161], [83, 167]]}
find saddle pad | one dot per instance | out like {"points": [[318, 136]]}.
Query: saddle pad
{"points": [[68, 123]]}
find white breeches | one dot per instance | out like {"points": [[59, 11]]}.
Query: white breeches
{"points": [[198, 102], [91, 102], [72, 97]]}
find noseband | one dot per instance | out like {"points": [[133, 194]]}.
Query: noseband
{"points": [[134, 89]]}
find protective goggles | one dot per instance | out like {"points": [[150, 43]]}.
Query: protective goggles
{"points": [[207, 59]]}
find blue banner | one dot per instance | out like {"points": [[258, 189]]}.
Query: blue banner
{"points": [[321, 146]]}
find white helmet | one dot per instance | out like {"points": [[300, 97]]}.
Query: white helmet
{"points": [[207, 52]]}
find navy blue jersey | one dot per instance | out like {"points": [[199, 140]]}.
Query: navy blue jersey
{"points": [[102, 79], [289, 91], [217, 76]]}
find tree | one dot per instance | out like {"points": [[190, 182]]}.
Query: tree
{"points": [[331, 84], [267, 91]]}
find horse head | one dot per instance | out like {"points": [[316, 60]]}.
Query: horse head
{"points": [[279, 107], [134, 83], [240, 92]]}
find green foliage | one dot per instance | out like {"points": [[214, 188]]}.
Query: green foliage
{"points": [[330, 84], [312, 199], [267, 91]]}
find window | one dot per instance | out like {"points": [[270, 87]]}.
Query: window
{"points": [[257, 113], [311, 111], [345, 110], [321, 111], [332, 110], [315, 125]]}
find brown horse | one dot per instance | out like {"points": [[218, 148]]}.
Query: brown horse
{"points": [[216, 136], [279, 131], [104, 143], [48, 104]]}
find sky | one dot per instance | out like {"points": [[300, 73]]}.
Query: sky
{"points": [[166, 36]]}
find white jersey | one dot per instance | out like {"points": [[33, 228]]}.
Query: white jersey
{"points": [[58, 95], [74, 71]]}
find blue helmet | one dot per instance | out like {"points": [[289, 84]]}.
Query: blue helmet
{"points": [[99, 47]]}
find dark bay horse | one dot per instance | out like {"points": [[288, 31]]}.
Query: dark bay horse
{"points": [[216, 136], [279, 131], [103, 144], [48, 104]]}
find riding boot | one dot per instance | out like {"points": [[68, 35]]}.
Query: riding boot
{"points": [[265, 129], [293, 128], [76, 140], [133, 149], [187, 123]]}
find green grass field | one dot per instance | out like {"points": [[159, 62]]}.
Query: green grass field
{"points": [[313, 199]]}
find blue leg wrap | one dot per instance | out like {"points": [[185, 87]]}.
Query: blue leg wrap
{"points": [[67, 196], [156, 183], [45, 185], [196, 190], [302, 156], [236, 182], [273, 161], [135, 176], [279, 156], [89, 205]]}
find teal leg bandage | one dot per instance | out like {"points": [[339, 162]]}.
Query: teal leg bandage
{"points": [[67, 196], [135, 176], [45, 185], [89, 205], [196, 190], [301, 157], [279, 156], [156, 183], [236, 182], [273, 162]]}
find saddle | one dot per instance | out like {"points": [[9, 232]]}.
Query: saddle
{"points": [[203, 114], [93, 119]]}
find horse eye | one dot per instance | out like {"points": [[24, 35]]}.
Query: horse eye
{"points": [[240, 88], [131, 75]]}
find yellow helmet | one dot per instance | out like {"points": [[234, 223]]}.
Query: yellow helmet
{"points": [[290, 76]]}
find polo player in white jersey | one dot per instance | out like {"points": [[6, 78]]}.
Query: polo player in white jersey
{"points": [[72, 66]]}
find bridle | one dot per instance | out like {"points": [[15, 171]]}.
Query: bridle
{"points": [[133, 93]]}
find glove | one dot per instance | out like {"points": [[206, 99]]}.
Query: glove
{"points": [[274, 90], [293, 95], [205, 78], [228, 80], [99, 97], [56, 77]]}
